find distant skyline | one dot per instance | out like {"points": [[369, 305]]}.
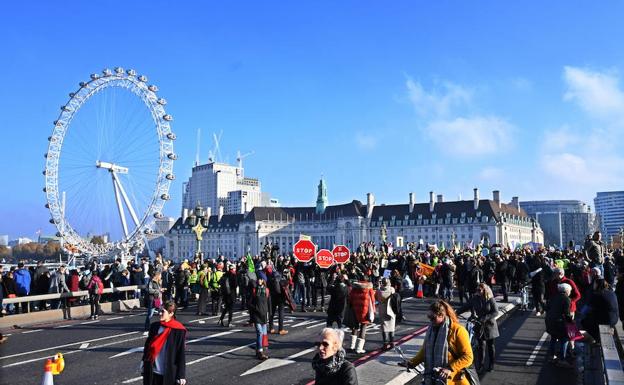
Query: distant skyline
{"points": [[390, 98]]}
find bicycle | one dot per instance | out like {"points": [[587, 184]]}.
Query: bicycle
{"points": [[473, 326], [420, 369]]}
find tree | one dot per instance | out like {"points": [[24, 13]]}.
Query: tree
{"points": [[97, 240]]}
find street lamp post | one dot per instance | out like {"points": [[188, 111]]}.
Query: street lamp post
{"points": [[199, 229]]}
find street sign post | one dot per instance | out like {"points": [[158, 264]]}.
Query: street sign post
{"points": [[324, 258], [341, 254], [304, 250]]}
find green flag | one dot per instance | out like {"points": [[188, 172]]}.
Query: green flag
{"points": [[250, 264]]}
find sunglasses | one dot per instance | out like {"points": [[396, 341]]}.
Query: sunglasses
{"points": [[324, 344]]}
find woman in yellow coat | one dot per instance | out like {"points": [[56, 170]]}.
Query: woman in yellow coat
{"points": [[446, 351]]}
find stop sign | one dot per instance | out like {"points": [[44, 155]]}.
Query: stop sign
{"points": [[341, 254], [324, 258], [304, 250]]}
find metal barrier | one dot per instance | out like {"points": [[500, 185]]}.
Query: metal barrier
{"points": [[613, 372], [81, 293]]}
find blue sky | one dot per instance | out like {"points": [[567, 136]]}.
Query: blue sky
{"points": [[382, 97]]}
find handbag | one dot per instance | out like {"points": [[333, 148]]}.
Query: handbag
{"points": [[573, 332], [471, 375], [157, 302], [370, 317]]}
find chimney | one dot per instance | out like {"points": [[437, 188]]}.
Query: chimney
{"points": [[440, 198], [208, 212], [496, 197], [476, 198], [220, 213], [431, 202], [515, 202], [370, 203], [184, 215], [411, 202]]}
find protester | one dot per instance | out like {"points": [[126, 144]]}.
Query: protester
{"points": [[229, 284], [557, 315], [153, 298], [330, 365], [164, 359], [446, 351], [362, 300], [338, 292], [259, 309], [95, 288], [386, 300]]}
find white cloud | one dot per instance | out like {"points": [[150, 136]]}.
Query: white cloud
{"points": [[491, 173], [596, 92], [454, 132], [437, 103], [561, 139], [366, 141], [479, 135]]}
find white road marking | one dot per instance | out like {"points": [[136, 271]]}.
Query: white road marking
{"points": [[84, 346], [130, 351], [304, 323], [536, 349], [63, 326], [114, 318], [70, 352], [89, 322], [32, 331], [301, 353], [66, 345], [317, 325]]}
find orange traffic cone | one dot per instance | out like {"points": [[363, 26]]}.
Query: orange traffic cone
{"points": [[419, 293], [48, 379]]}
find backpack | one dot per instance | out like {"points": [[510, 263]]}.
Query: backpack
{"points": [[275, 287], [224, 284]]}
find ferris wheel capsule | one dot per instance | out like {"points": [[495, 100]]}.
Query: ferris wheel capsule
{"points": [[172, 156], [107, 72], [161, 101], [65, 108], [170, 176], [171, 136], [131, 72], [119, 70], [71, 94], [168, 117], [142, 78], [148, 231], [82, 84], [153, 88], [95, 76], [158, 215], [165, 197]]}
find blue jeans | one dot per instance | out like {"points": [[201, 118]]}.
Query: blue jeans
{"points": [[562, 347], [151, 310], [261, 330], [599, 266]]}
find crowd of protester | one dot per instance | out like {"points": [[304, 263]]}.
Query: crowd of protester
{"points": [[574, 289]]}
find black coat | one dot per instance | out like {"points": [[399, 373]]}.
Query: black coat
{"points": [[338, 299], [557, 314], [486, 312], [175, 359], [604, 307], [259, 306], [346, 375]]}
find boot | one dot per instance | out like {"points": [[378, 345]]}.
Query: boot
{"points": [[260, 355], [360, 346], [353, 341]]}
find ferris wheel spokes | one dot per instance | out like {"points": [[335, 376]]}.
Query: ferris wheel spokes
{"points": [[120, 193]]}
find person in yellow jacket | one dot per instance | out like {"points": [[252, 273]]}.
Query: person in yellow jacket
{"points": [[194, 282], [203, 279], [446, 351], [215, 287]]}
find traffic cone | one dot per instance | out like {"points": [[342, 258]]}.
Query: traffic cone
{"points": [[419, 293], [48, 378]]}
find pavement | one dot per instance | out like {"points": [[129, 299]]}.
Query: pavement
{"points": [[108, 350]]}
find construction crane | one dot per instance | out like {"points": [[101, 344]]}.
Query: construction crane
{"points": [[239, 157]]}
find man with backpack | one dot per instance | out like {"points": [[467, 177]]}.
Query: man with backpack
{"points": [[204, 277], [228, 285], [215, 288], [276, 291]]}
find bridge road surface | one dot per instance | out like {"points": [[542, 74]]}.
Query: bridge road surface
{"points": [[108, 350]]}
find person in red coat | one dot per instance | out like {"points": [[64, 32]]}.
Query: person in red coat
{"points": [[362, 300], [559, 278]]}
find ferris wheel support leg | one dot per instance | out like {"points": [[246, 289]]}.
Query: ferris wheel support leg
{"points": [[122, 216], [125, 198]]}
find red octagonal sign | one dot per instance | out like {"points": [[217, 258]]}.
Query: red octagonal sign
{"points": [[304, 250], [341, 254], [324, 258]]}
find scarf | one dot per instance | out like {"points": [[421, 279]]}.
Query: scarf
{"points": [[329, 366], [159, 341], [436, 349]]}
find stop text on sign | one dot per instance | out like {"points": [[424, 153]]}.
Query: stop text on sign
{"points": [[341, 254], [324, 258], [304, 250]]}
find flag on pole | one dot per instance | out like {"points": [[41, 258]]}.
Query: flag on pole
{"points": [[250, 264]]}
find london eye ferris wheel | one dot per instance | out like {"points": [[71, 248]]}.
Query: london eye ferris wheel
{"points": [[109, 164]]}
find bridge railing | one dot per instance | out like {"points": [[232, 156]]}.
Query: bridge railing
{"points": [[612, 365], [71, 294]]}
